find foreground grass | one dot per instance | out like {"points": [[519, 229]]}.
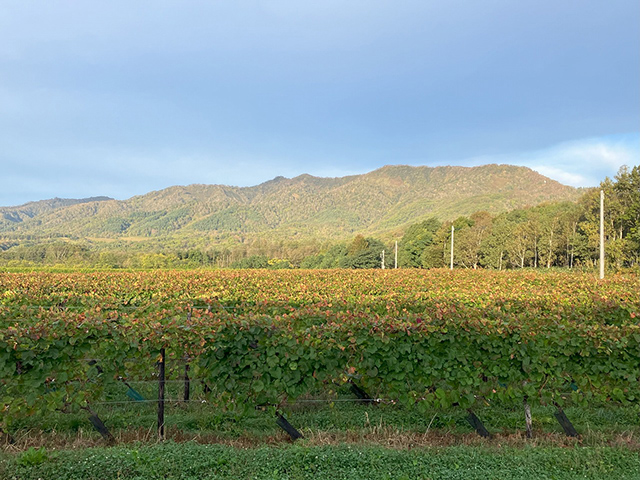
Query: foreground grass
{"points": [[194, 461], [342, 440], [332, 422]]}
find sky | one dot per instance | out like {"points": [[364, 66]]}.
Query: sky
{"points": [[120, 98]]}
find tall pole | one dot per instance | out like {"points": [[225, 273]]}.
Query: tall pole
{"points": [[601, 234], [396, 260], [452, 229]]}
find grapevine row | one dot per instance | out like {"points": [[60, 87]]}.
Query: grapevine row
{"points": [[62, 359]]}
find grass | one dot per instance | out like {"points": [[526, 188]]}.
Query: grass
{"points": [[330, 421], [343, 439], [194, 461]]}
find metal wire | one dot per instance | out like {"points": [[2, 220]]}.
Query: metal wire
{"points": [[114, 402], [351, 400], [204, 401], [124, 381]]}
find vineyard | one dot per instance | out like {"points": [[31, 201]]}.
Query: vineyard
{"points": [[427, 340]]}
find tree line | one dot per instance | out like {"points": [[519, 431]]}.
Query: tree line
{"points": [[560, 234]]}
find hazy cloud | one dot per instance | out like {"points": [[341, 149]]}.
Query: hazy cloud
{"points": [[587, 162], [562, 176]]}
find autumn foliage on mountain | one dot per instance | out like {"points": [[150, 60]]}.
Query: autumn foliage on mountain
{"points": [[504, 217]]}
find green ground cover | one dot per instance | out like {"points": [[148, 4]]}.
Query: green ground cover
{"points": [[340, 418], [193, 461]]}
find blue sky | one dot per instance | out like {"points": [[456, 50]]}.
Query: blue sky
{"points": [[120, 98]]}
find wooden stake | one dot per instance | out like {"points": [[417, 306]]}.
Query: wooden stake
{"points": [[566, 424], [287, 427], [527, 418], [187, 383], [161, 382], [100, 426], [361, 394], [477, 424]]}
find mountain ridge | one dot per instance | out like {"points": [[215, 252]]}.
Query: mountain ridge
{"points": [[384, 199]]}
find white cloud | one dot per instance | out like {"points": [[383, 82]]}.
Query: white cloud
{"points": [[580, 163], [585, 163], [593, 153], [567, 178]]}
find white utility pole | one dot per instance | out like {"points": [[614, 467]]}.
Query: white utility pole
{"points": [[396, 261], [601, 234], [452, 229], [383, 259]]}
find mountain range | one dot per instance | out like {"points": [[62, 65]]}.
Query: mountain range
{"points": [[384, 200]]}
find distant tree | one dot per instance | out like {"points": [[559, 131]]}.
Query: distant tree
{"points": [[627, 189], [279, 264], [254, 261], [495, 245], [550, 218], [329, 259], [589, 225], [417, 237], [359, 244], [312, 261], [569, 232], [334, 255], [470, 239], [363, 253], [156, 260], [519, 246], [438, 254]]}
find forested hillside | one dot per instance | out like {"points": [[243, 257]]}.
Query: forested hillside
{"points": [[552, 234], [12, 216], [301, 207], [504, 217]]}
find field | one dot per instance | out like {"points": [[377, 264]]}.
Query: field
{"points": [[402, 358]]}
